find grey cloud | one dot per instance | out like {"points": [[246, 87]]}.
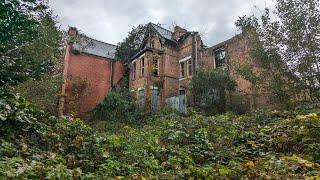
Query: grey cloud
{"points": [[111, 20]]}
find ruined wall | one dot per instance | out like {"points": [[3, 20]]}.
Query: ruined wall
{"points": [[246, 97], [170, 74], [88, 81]]}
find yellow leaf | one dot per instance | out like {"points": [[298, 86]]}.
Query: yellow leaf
{"points": [[249, 165]]}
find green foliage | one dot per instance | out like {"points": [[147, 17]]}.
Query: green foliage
{"points": [[288, 49], [30, 40], [132, 44], [209, 88], [46, 94], [118, 106], [261, 145]]}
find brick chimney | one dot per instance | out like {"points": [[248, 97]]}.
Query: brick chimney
{"points": [[178, 32]]}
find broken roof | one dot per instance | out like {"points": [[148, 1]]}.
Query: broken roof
{"points": [[163, 32], [94, 47]]}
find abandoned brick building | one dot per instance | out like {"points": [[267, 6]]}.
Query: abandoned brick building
{"points": [[90, 71], [160, 73]]}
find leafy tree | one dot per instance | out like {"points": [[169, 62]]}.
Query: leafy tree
{"points": [[209, 89], [30, 40], [288, 48], [132, 44]]}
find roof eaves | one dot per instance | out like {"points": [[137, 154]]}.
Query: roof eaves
{"points": [[141, 52]]}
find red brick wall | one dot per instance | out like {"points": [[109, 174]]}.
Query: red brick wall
{"points": [[88, 81]]}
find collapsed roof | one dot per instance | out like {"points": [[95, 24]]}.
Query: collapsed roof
{"points": [[162, 31]]}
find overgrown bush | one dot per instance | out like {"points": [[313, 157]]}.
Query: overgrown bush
{"points": [[209, 89], [262, 145], [44, 93], [118, 106]]}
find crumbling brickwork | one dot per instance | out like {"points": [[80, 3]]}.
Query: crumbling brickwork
{"points": [[180, 54], [161, 70]]}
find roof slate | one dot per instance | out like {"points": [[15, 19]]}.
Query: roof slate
{"points": [[95, 47]]}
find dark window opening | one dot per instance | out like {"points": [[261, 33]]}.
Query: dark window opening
{"points": [[190, 67], [155, 66], [182, 69], [142, 67], [220, 57]]}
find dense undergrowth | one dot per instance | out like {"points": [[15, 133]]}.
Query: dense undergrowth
{"points": [[276, 145]]}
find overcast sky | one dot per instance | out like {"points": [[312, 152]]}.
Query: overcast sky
{"points": [[111, 20]]}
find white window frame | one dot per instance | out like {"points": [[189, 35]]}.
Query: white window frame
{"points": [[185, 60]]}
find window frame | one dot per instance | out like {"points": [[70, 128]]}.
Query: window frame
{"points": [[182, 69], [155, 68], [134, 70], [190, 67], [219, 62], [185, 61]]}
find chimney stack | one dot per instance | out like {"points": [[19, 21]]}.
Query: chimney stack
{"points": [[178, 32]]}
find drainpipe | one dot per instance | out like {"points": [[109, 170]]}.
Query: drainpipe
{"points": [[196, 50]]}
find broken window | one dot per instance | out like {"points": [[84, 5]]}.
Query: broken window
{"points": [[155, 66], [190, 67], [182, 69], [220, 57], [134, 71], [142, 67]]}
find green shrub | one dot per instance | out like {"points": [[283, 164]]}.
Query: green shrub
{"points": [[209, 89], [261, 145], [118, 106]]}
